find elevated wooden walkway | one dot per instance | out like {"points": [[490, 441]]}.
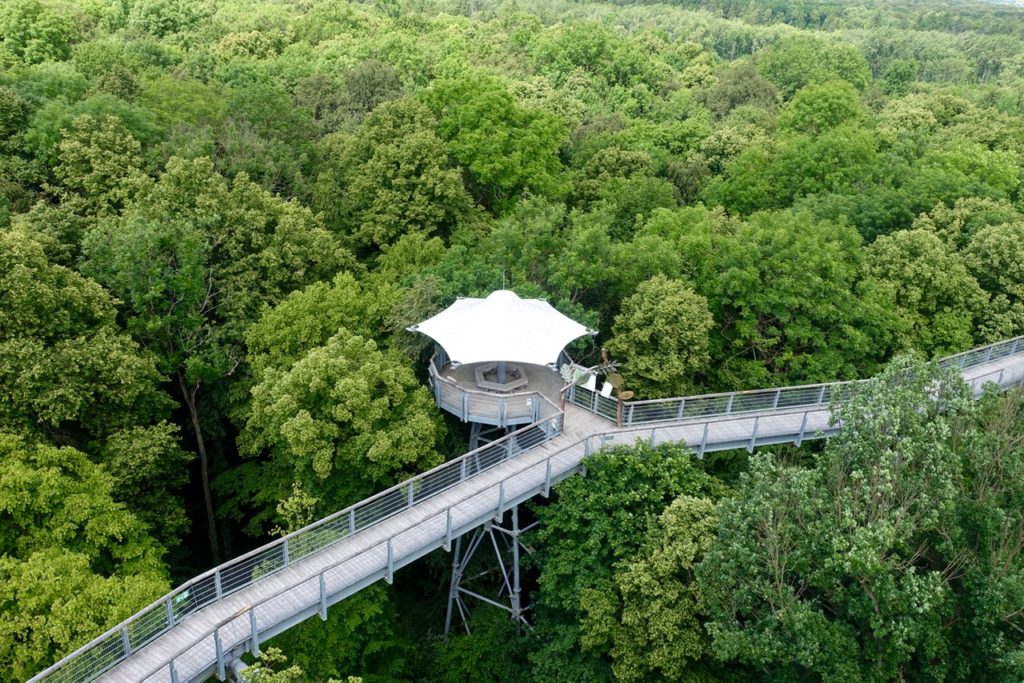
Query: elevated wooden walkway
{"points": [[242, 603]]}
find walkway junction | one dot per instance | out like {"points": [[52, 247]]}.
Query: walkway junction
{"points": [[496, 371]]}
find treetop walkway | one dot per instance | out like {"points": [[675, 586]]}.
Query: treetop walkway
{"points": [[199, 628]]}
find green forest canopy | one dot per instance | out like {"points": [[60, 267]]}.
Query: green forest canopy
{"points": [[217, 218]]}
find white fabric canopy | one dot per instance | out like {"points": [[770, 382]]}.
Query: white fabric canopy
{"points": [[502, 327]]}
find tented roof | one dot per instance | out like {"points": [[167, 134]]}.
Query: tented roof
{"points": [[502, 327]]}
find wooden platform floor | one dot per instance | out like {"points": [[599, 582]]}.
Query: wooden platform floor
{"points": [[539, 378]]}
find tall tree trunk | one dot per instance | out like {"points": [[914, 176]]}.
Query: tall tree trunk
{"points": [[204, 464]]}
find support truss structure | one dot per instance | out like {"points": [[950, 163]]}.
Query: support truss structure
{"points": [[507, 546], [481, 434]]}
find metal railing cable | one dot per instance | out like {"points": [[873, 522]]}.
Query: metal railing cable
{"points": [[118, 643], [472, 405], [386, 544], [545, 474], [759, 400]]}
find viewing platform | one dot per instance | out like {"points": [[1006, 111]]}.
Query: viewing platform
{"points": [[471, 393]]}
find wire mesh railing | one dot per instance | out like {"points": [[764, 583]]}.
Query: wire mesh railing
{"points": [[739, 402], [120, 642], [98, 656], [470, 405]]}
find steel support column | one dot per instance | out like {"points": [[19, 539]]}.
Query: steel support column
{"points": [[507, 556]]}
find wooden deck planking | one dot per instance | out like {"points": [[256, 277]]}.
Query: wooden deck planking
{"points": [[364, 554], [540, 379]]}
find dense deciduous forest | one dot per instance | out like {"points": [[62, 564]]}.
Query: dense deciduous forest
{"points": [[218, 217]]}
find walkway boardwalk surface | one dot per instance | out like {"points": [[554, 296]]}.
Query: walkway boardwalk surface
{"points": [[204, 641]]}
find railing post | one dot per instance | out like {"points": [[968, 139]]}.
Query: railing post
{"points": [[410, 494], [462, 469], [1014, 349], [126, 642], [728, 406], [170, 612], [629, 415], [508, 448], [216, 585], [988, 354], [172, 671], [775, 403], [593, 402], [448, 531], [284, 551], [323, 599], [803, 426], [753, 435], [547, 477], [254, 633], [390, 575], [821, 395], [220, 654], [682, 408], [351, 521]]}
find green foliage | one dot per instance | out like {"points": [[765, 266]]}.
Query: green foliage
{"points": [[391, 178], [164, 17], [597, 525], [741, 84], [45, 132], [309, 317], [659, 632], [99, 165], [341, 422], [66, 370], [937, 299], [802, 59], [493, 652], [851, 568], [662, 334], [506, 148], [995, 257], [33, 32], [360, 635], [195, 260], [13, 112], [149, 468], [819, 107], [72, 561], [814, 322]]}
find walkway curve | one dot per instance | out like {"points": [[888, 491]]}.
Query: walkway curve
{"points": [[199, 628]]}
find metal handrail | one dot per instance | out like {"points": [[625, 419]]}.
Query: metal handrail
{"points": [[588, 450], [405, 492], [224, 579], [737, 402], [446, 510], [386, 542], [987, 353]]}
